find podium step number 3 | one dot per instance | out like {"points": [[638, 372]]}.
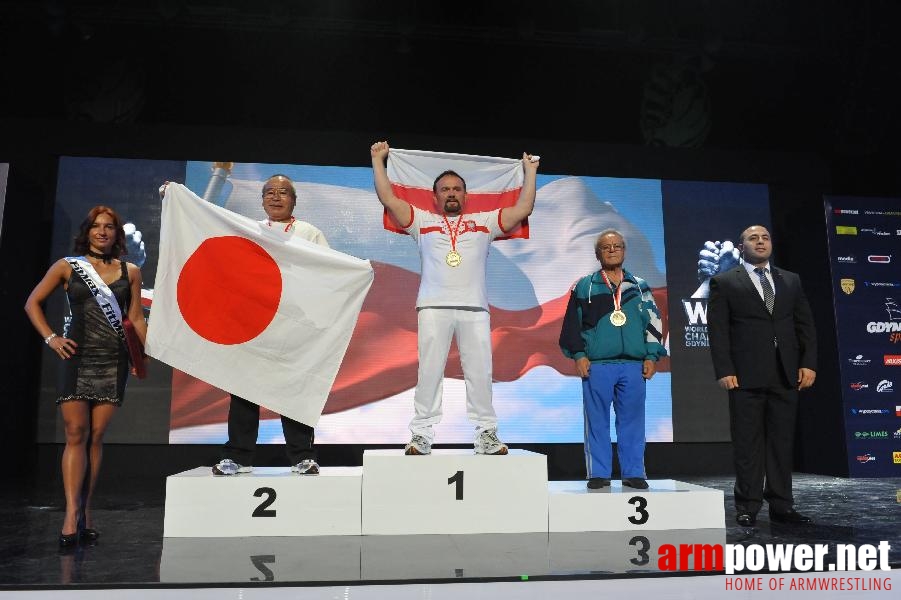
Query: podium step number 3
{"points": [[667, 505]]}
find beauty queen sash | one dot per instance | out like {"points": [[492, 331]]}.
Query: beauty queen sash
{"points": [[110, 308]]}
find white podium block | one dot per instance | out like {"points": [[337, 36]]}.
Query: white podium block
{"points": [[667, 504], [260, 559], [453, 491], [271, 501]]}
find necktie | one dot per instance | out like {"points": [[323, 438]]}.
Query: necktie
{"points": [[768, 296]]}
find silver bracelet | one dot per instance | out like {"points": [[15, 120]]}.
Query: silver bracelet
{"points": [[49, 337]]}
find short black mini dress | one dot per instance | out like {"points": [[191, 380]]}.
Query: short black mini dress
{"points": [[98, 371]]}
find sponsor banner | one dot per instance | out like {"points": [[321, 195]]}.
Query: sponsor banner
{"points": [[867, 281]]}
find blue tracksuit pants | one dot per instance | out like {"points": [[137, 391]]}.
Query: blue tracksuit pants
{"points": [[622, 385]]}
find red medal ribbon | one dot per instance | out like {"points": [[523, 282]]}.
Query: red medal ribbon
{"points": [[617, 294], [453, 233], [287, 227]]}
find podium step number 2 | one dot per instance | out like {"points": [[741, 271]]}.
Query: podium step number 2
{"points": [[271, 501]]}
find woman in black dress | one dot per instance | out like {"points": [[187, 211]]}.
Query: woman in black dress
{"points": [[95, 358]]}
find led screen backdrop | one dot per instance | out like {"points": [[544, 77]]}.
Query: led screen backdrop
{"points": [[536, 395], [703, 222]]}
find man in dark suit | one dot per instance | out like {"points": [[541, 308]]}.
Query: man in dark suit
{"points": [[763, 344]]}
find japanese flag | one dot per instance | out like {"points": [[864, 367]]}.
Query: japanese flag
{"points": [[251, 309]]}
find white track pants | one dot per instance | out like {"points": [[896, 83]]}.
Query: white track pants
{"points": [[437, 326]]}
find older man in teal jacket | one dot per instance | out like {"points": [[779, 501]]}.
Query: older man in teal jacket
{"points": [[612, 329]]}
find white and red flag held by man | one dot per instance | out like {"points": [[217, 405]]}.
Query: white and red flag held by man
{"points": [[251, 310], [491, 182]]}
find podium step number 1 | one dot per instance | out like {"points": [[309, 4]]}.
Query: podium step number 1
{"points": [[453, 491]]}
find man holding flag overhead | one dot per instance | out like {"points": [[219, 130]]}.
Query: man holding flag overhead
{"points": [[452, 301]]}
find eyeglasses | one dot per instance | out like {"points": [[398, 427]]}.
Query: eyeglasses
{"points": [[612, 248], [281, 193]]}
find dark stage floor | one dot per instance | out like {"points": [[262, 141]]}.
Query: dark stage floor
{"points": [[132, 551]]}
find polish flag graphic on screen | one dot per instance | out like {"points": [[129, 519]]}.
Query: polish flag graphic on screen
{"points": [[491, 182], [251, 310], [528, 287]]}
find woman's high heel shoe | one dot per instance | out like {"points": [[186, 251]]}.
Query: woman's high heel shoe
{"points": [[89, 535], [67, 540], [86, 534]]}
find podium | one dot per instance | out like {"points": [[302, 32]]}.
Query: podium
{"points": [[453, 492], [270, 501], [446, 493]]}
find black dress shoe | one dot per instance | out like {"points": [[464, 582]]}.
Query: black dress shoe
{"points": [[789, 516], [746, 519], [596, 483], [89, 535], [67, 540], [636, 482]]}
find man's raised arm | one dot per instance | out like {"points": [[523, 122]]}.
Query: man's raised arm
{"points": [[399, 209], [513, 215]]}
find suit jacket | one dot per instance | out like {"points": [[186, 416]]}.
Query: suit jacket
{"points": [[741, 330]]}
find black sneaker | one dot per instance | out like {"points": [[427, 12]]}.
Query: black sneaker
{"points": [[636, 482], [596, 483]]}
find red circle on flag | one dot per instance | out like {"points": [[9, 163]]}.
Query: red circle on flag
{"points": [[229, 289]]}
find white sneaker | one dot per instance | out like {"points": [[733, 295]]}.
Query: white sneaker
{"points": [[418, 445], [488, 443], [307, 466], [227, 466]]}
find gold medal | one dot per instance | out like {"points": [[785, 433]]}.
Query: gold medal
{"points": [[453, 258], [617, 317]]}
